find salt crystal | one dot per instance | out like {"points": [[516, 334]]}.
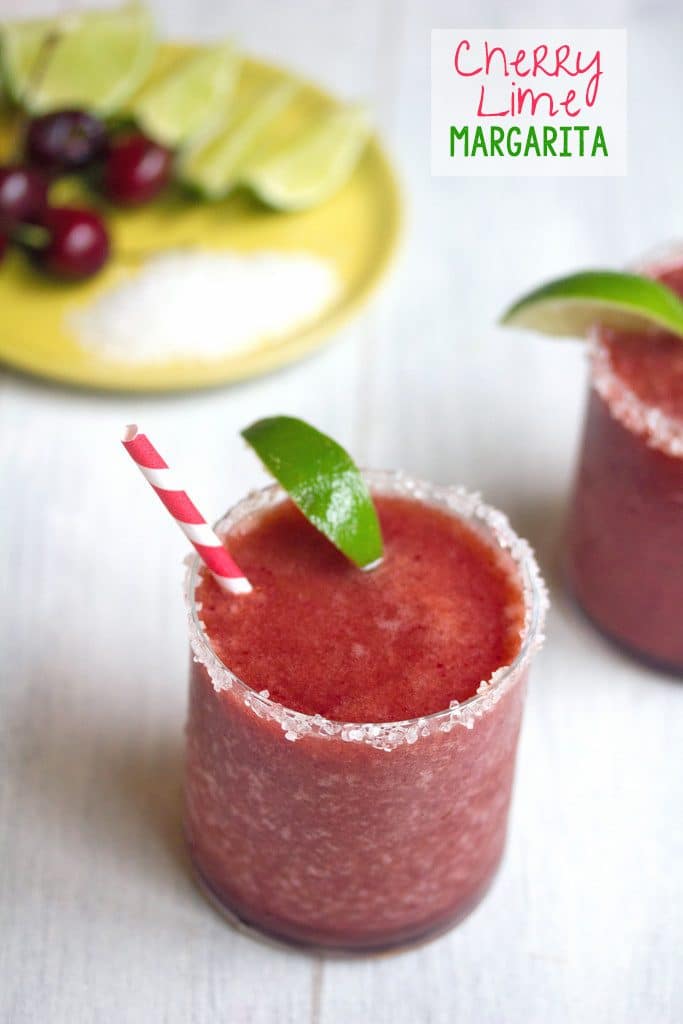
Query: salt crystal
{"points": [[200, 305]]}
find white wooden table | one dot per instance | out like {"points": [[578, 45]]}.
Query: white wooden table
{"points": [[99, 919]]}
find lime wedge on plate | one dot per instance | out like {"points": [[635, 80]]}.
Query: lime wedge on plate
{"points": [[193, 95], [314, 164], [570, 306], [94, 59], [323, 481], [213, 165]]}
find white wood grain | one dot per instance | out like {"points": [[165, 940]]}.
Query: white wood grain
{"points": [[98, 917]]}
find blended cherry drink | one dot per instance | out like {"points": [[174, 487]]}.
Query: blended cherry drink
{"points": [[625, 554], [352, 735]]}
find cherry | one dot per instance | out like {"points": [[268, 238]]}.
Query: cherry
{"points": [[65, 140], [23, 195], [4, 242], [77, 246], [136, 169]]}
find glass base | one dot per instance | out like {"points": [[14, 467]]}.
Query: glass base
{"points": [[400, 944], [639, 654]]}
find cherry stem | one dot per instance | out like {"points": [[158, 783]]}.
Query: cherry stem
{"points": [[30, 236], [36, 76]]}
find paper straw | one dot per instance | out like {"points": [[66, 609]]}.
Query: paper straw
{"points": [[218, 561]]}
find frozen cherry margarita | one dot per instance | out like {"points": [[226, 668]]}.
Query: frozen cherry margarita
{"points": [[626, 524], [352, 735]]}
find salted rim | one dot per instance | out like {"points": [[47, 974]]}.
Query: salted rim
{"points": [[387, 735], [660, 431]]}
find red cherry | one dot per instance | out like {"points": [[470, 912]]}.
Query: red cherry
{"points": [[65, 140], [78, 244], [136, 169], [23, 195]]}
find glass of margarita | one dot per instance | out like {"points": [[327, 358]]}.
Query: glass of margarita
{"points": [[352, 735], [625, 537]]}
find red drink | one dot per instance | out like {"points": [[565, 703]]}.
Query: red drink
{"points": [[368, 835], [626, 528]]}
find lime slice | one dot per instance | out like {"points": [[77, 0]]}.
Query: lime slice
{"points": [[570, 306], [323, 481], [214, 165], [94, 59], [313, 165], [193, 95]]}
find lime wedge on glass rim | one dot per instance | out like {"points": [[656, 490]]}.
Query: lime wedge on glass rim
{"points": [[314, 164], [214, 164], [93, 59], [189, 98], [323, 481], [570, 306]]}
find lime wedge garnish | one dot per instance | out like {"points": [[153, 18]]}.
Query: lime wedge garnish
{"points": [[570, 306], [214, 165], [323, 481], [94, 59], [193, 95], [314, 164]]}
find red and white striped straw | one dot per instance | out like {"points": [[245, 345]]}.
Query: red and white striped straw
{"points": [[224, 569]]}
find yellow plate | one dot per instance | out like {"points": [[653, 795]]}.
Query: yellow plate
{"points": [[357, 231]]}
